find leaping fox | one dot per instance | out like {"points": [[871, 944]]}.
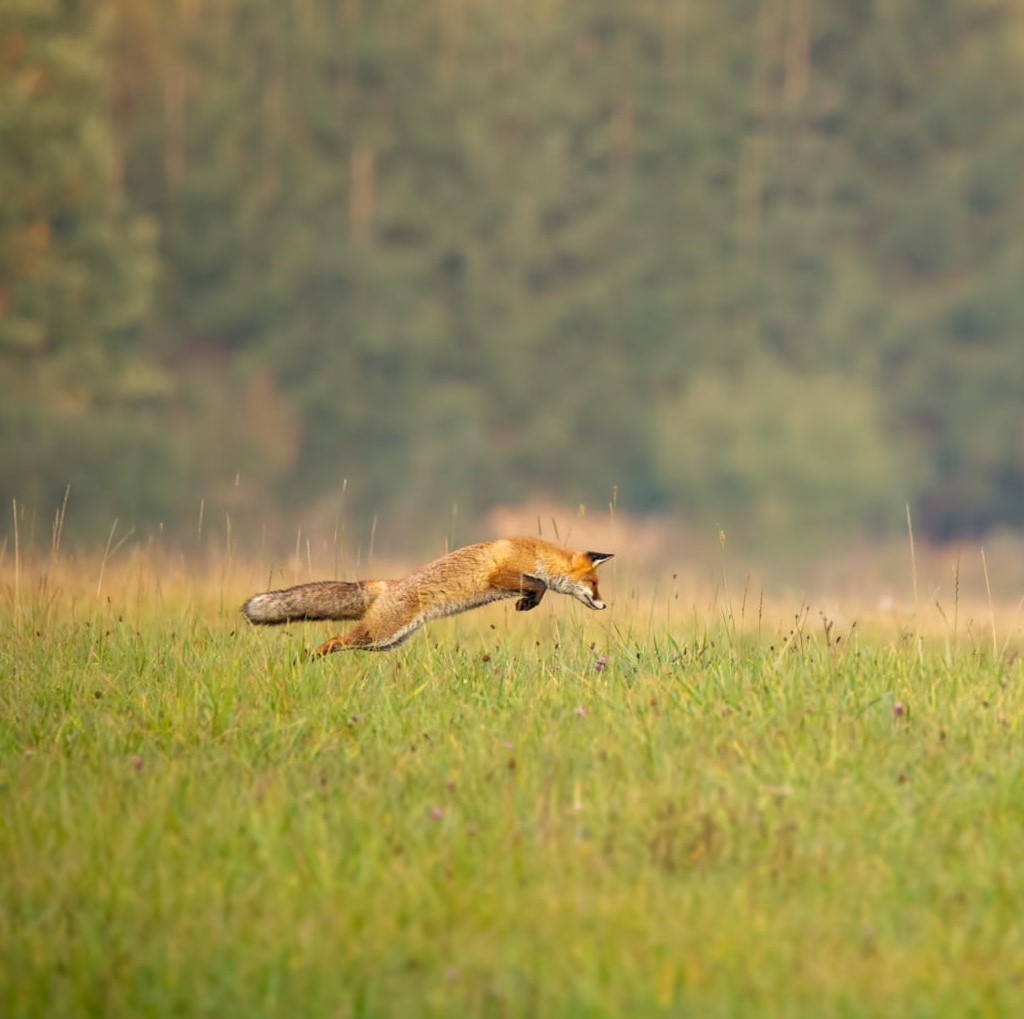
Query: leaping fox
{"points": [[390, 611]]}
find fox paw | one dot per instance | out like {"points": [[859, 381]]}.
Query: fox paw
{"points": [[334, 644]]}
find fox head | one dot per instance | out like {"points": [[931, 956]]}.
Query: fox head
{"points": [[582, 579]]}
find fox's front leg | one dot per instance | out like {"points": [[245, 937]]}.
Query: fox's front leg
{"points": [[533, 590]]}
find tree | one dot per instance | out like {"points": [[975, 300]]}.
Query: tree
{"points": [[75, 267]]}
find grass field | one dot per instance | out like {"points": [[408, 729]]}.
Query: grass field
{"points": [[670, 808]]}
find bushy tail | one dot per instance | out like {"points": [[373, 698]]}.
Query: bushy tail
{"points": [[323, 599]]}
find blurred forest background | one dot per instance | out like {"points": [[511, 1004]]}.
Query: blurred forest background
{"points": [[750, 263]]}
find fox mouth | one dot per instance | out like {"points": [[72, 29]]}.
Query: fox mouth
{"points": [[595, 603]]}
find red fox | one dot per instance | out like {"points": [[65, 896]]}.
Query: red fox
{"points": [[390, 611]]}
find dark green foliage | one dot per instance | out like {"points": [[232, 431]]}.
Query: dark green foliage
{"points": [[76, 382], [755, 263]]}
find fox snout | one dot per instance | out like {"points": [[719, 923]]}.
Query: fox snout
{"points": [[587, 593]]}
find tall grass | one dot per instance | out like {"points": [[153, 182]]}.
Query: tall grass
{"points": [[691, 804]]}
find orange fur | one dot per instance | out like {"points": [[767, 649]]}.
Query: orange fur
{"points": [[390, 611]]}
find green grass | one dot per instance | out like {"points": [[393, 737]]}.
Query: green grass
{"points": [[196, 822]]}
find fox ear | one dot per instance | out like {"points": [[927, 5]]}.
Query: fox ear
{"points": [[599, 557]]}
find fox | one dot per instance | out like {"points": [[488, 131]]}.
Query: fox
{"points": [[389, 612]]}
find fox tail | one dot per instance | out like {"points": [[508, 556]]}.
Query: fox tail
{"points": [[323, 599]]}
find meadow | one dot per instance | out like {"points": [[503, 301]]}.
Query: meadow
{"points": [[691, 804]]}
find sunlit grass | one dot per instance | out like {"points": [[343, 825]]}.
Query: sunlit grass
{"points": [[702, 801]]}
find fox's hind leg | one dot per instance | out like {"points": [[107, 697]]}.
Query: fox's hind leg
{"points": [[357, 637], [334, 644]]}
